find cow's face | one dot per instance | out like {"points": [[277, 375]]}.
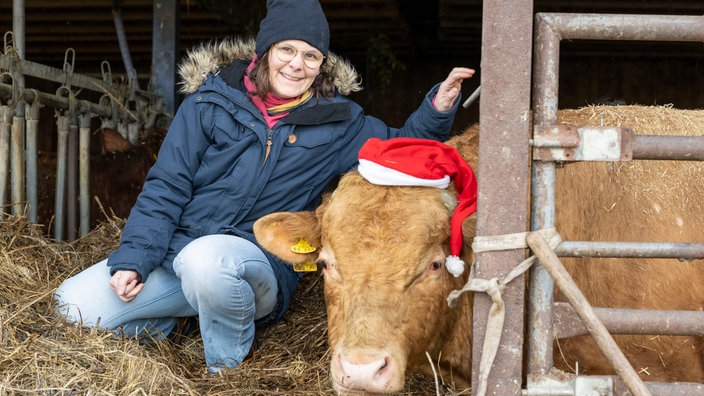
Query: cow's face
{"points": [[383, 253]]}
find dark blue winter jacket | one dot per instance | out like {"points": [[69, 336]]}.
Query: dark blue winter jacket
{"points": [[213, 174]]}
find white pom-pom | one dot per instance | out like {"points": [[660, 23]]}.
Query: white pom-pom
{"points": [[455, 265]]}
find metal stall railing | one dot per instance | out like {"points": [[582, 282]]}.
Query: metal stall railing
{"points": [[550, 29], [124, 107]]}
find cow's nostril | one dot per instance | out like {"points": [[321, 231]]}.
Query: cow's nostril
{"points": [[370, 373]]}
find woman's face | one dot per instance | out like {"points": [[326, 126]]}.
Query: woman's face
{"points": [[293, 66]]}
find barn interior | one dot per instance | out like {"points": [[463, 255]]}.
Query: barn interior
{"points": [[400, 49]]}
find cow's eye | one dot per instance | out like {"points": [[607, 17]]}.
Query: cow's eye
{"points": [[323, 264], [435, 265]]}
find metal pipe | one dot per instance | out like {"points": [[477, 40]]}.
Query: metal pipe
{"points": [[32, 133], [19, 40], [122, 41], [473, 97], [63, 124], [18, 26], [45, 72], [17, 135], [63, 103], [546, 49], [17, 164], [6, 115], [680, 250], [165, 50], [630, 321], [572, 26], [84, 172], [72, 180], [655, 147]]}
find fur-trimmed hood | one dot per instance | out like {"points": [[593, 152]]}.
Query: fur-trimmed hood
{"points": [[212, 56]]}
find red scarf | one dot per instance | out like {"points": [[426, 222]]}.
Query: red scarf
{"points": [[273, 108]]}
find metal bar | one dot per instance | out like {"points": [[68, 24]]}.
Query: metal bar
{"points": [[572, 26], [472, 97], [62, 102], [546, 49], [63, 124], [31, 160], [165, 31], [678, 250], [17, 164], [29, 68], [6, 115], [561, 386], [663, 389], [84, 173], [601, 336], [18, 26], [72, 180], [503, 179], [630, 321], [124, 47], [653, 147]]}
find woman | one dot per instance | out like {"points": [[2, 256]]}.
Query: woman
{"points": [[264, 128]]}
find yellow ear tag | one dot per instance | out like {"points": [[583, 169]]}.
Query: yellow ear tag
{"points": [[306, 266], [303, 247]]}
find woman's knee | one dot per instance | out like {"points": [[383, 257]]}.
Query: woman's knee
{"points": [[82, 298], [211, 265], [216, 258]]}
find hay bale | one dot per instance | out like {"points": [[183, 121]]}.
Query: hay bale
{"points": [[648, 194], [40, 354]]}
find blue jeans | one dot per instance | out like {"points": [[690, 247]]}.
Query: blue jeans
{"points": [[226, 280]]}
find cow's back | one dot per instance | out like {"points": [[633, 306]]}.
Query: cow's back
{"points": [[641, 201]]}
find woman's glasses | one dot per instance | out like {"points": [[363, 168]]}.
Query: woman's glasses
{"points": [[312, 59]]}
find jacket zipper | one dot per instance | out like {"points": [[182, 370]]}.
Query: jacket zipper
{"points": [[268, 144]]}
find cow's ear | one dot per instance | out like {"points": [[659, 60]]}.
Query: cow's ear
{"points": [[292, 236], [469, 229]]}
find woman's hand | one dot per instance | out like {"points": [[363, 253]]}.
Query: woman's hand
{"points": [[126, 284], [450, 88]]}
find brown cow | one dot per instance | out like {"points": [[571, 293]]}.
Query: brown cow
{"points": [[383, 248]]}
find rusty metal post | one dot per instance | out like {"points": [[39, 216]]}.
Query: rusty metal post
{"points": [[165, 32], [545, 89], [17, 140], [17, 164], [84, 172], [507, 31], [63, 124], [72, 179], [31, 158], [6, 114]]}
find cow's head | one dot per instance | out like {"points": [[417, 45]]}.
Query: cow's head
{"points": [[383, 251]]}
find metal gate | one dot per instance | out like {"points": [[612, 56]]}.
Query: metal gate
{"points": [[504, 139], [123, 106]]}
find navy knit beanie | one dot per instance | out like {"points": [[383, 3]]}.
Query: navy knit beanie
{"points": [[293, 20]]}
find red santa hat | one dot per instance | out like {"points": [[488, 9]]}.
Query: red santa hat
{"points": [[428, 163]]}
